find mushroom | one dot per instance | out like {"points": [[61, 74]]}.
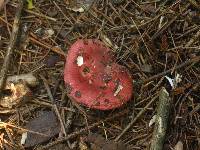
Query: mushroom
{"points": [[92, 77]]}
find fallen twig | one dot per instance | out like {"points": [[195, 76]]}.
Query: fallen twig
{"points": [[10, 49], [55, 108], [161, 123]]}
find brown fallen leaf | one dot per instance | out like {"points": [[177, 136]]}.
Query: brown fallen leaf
{"points": [[46, 124]]}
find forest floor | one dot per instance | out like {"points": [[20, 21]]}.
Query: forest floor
{"points": [[157, 41]]}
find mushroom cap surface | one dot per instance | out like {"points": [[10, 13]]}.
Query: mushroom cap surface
{"points": [[92, 77]]}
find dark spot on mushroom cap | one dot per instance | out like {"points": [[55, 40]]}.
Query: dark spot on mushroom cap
{"points": [[86, 70], [68, 88], [103, 87], [106, 101], [97, 103], [78, 94], [121, 99], [107, 78]]}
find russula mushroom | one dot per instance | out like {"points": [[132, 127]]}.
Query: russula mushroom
{"points": [[92, 77]]}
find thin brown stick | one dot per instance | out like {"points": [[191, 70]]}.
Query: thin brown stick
{"points": [[10, 49], [55, 108]]}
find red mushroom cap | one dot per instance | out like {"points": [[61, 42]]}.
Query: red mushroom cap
{"points": [[92, 77]]}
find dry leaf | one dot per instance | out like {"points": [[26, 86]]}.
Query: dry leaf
{"points": [[46, 124]]}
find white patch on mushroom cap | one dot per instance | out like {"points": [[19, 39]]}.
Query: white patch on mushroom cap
{"points": [[119, 88], [79, 60], [90, 81]]}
